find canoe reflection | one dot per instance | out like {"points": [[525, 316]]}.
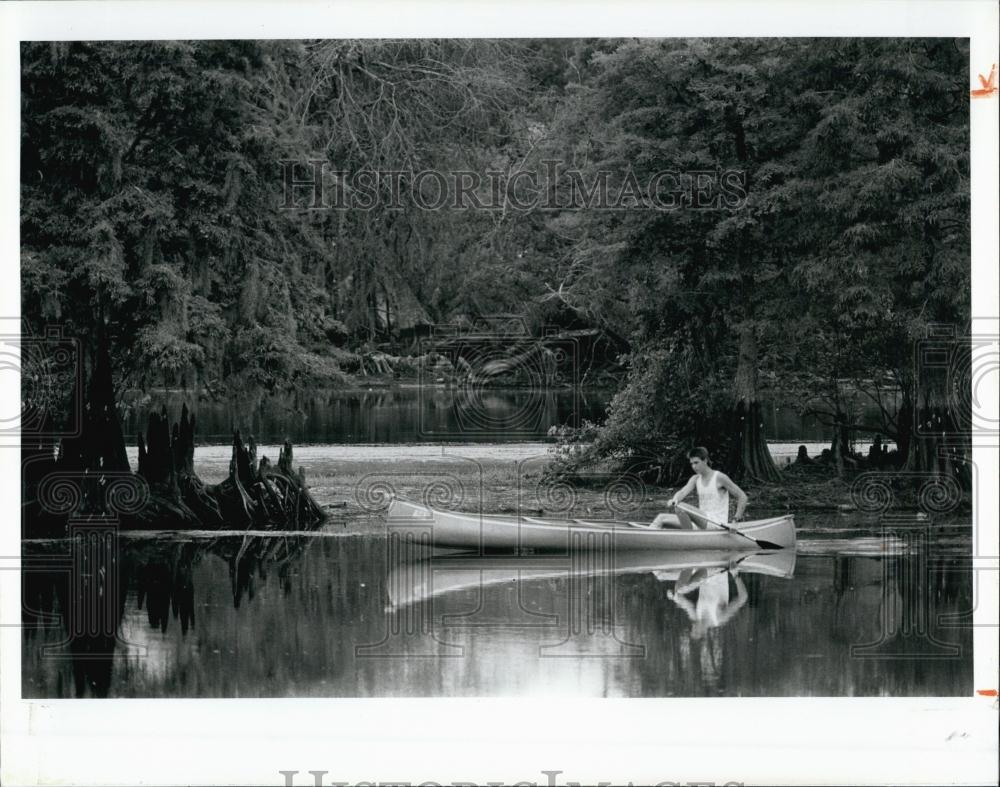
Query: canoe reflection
{"points": [[415, 581]]}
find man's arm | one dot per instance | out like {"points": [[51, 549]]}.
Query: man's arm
{"points": [[685, 490], [736, 604], [741, 497], [683, 603]]}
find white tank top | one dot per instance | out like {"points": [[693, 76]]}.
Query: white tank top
{"points": [[712, 500], [713, 595]]}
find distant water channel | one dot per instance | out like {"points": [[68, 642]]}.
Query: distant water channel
{"points": [[335, 616], [438, 414]]}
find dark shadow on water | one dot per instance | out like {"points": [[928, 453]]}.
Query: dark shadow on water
{"points": [[435, 414]]}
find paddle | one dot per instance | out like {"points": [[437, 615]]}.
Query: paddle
{"points": [[762, 543]]}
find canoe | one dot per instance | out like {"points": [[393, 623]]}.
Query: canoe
{"points": [[409, 583], [482, 531]]}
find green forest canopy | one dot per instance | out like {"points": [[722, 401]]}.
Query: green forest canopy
{"points": [[152, 190]]}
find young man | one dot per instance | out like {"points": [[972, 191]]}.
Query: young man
{"points": [[713, 487]]}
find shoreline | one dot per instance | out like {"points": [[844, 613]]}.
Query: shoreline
{"points": [[780, 450], [506, 478]]}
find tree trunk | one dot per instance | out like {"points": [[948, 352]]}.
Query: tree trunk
{"points": [[38, 460], [92, 460], [749, 456], [840, 447], [95, 463], [904, 428], [193, 490], [157, 465]]}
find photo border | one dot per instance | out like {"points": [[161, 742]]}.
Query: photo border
{"points": [[645, 741]]}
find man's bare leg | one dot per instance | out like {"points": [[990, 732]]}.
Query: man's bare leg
{"points": [[685, 521]]}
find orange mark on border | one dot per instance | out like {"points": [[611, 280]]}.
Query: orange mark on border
{"points": [[989, 86], [986, 692]]}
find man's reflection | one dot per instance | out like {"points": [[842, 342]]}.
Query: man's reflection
{"points": [[706, 597]]}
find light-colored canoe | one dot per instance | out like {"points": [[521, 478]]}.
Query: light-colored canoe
{"points": [[409, 583], [481, 531]]}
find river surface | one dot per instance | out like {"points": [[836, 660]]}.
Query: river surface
{"points": [[434, 414], [852, 613], [856, 610]]}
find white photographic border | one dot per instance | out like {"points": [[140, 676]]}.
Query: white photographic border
{"points": [[643, 741]]}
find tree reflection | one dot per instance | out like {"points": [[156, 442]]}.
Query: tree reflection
{"points": [[73, 599], [269, 616], [163, 579], [75, 591]]}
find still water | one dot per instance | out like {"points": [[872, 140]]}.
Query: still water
{"points": [[435, 414], [333, 615]]}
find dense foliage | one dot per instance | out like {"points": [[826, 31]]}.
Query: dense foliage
{"points": [[152, 192], [154, 214], [852, 242]]}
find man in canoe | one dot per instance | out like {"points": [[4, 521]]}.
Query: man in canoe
{"points": [[713, 487]]}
